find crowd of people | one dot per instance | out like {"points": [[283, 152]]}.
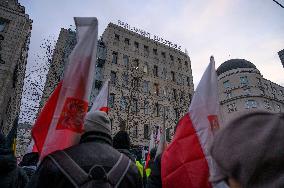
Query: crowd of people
{"points": [[248, 151]]}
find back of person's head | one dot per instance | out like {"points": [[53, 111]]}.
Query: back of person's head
{"points": [[153, 153], [30, 159], [97, 122], [121, 140], [249, 149]]}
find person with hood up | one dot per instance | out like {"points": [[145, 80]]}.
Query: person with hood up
{"points": [[11, 176], [91, 163], [121, 142], [249, 151]]}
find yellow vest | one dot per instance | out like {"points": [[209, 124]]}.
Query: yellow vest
{"points": [[148, 172], [140, 168]]}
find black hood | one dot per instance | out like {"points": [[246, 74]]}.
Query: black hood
{"points": [[8, 161], [30, 159]]}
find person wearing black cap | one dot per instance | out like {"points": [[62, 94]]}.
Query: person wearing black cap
{"points": [[121, 142], [91, 163]]}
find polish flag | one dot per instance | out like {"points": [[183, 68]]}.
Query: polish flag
{"points": [[187, 162], [101, 101], [60, 123], [162, 144], [151, 146]]}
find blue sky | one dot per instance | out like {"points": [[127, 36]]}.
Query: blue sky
{"points": [[249, 29]]}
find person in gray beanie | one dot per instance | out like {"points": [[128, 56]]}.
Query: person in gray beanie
{"points": [[249, 151], [91, 163]]}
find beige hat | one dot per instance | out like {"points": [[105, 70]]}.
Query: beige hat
{"points": [[97, 121], [250, 149]]}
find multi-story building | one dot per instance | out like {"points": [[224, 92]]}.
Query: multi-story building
{"points": [[64, 46], [281, 56], [242, 88], [15, 31], [151, 83]]}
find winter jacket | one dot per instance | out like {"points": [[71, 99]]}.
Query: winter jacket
{"points": [[11, 176], [127, 153], [29, 163], [154, 180], [93, 149]]}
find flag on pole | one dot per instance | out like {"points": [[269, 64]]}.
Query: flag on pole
{"points": [[101, 101], [162, 144], [12, 136], [187, 162], [151, 146], [60, 122]]}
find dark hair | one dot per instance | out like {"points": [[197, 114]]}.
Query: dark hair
{"points": [[153, 153], [121, 140]]}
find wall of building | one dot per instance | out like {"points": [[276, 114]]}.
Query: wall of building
{"points": [[15, 31], [245, 90]]}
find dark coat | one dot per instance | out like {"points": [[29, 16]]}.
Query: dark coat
{"points": [[11, 176], [93, 149], [154, 180], [29, 163]]}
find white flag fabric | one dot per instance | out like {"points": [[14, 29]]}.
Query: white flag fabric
{"points": [[101, 101], [67, 107]]}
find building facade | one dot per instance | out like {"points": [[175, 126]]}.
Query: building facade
{"points": [[15, 32], [64, 46], [242, 89], [151, 84]]}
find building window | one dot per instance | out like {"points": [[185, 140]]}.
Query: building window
{"points": [[146, 131], [111, 100], [155, 51], [136, 45], [135, 133], [188, 81], [146, 107], [145, 69], [173, 78], [156, 86], [136, 63], [112, 77], [176, 113], [244, 80], [123, 103], [146, 86], [155, 71], [172, 57], [2, 25], [179, 63], [232, 107], [125, 80], [125, 60], [157, 110], [114, 57], [274, 92], [165, 91], [168, 136], [134, 106], [175, 94], [116, 37], [126, 42], [163, 54], [250, 104], [186, 64], [226, 84], [146, 49], [280, 92], [165, 73]]}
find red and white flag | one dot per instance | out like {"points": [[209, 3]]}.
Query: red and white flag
{"points": [[187, 162], [151, 146], [60, 122], [101, 101]]}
